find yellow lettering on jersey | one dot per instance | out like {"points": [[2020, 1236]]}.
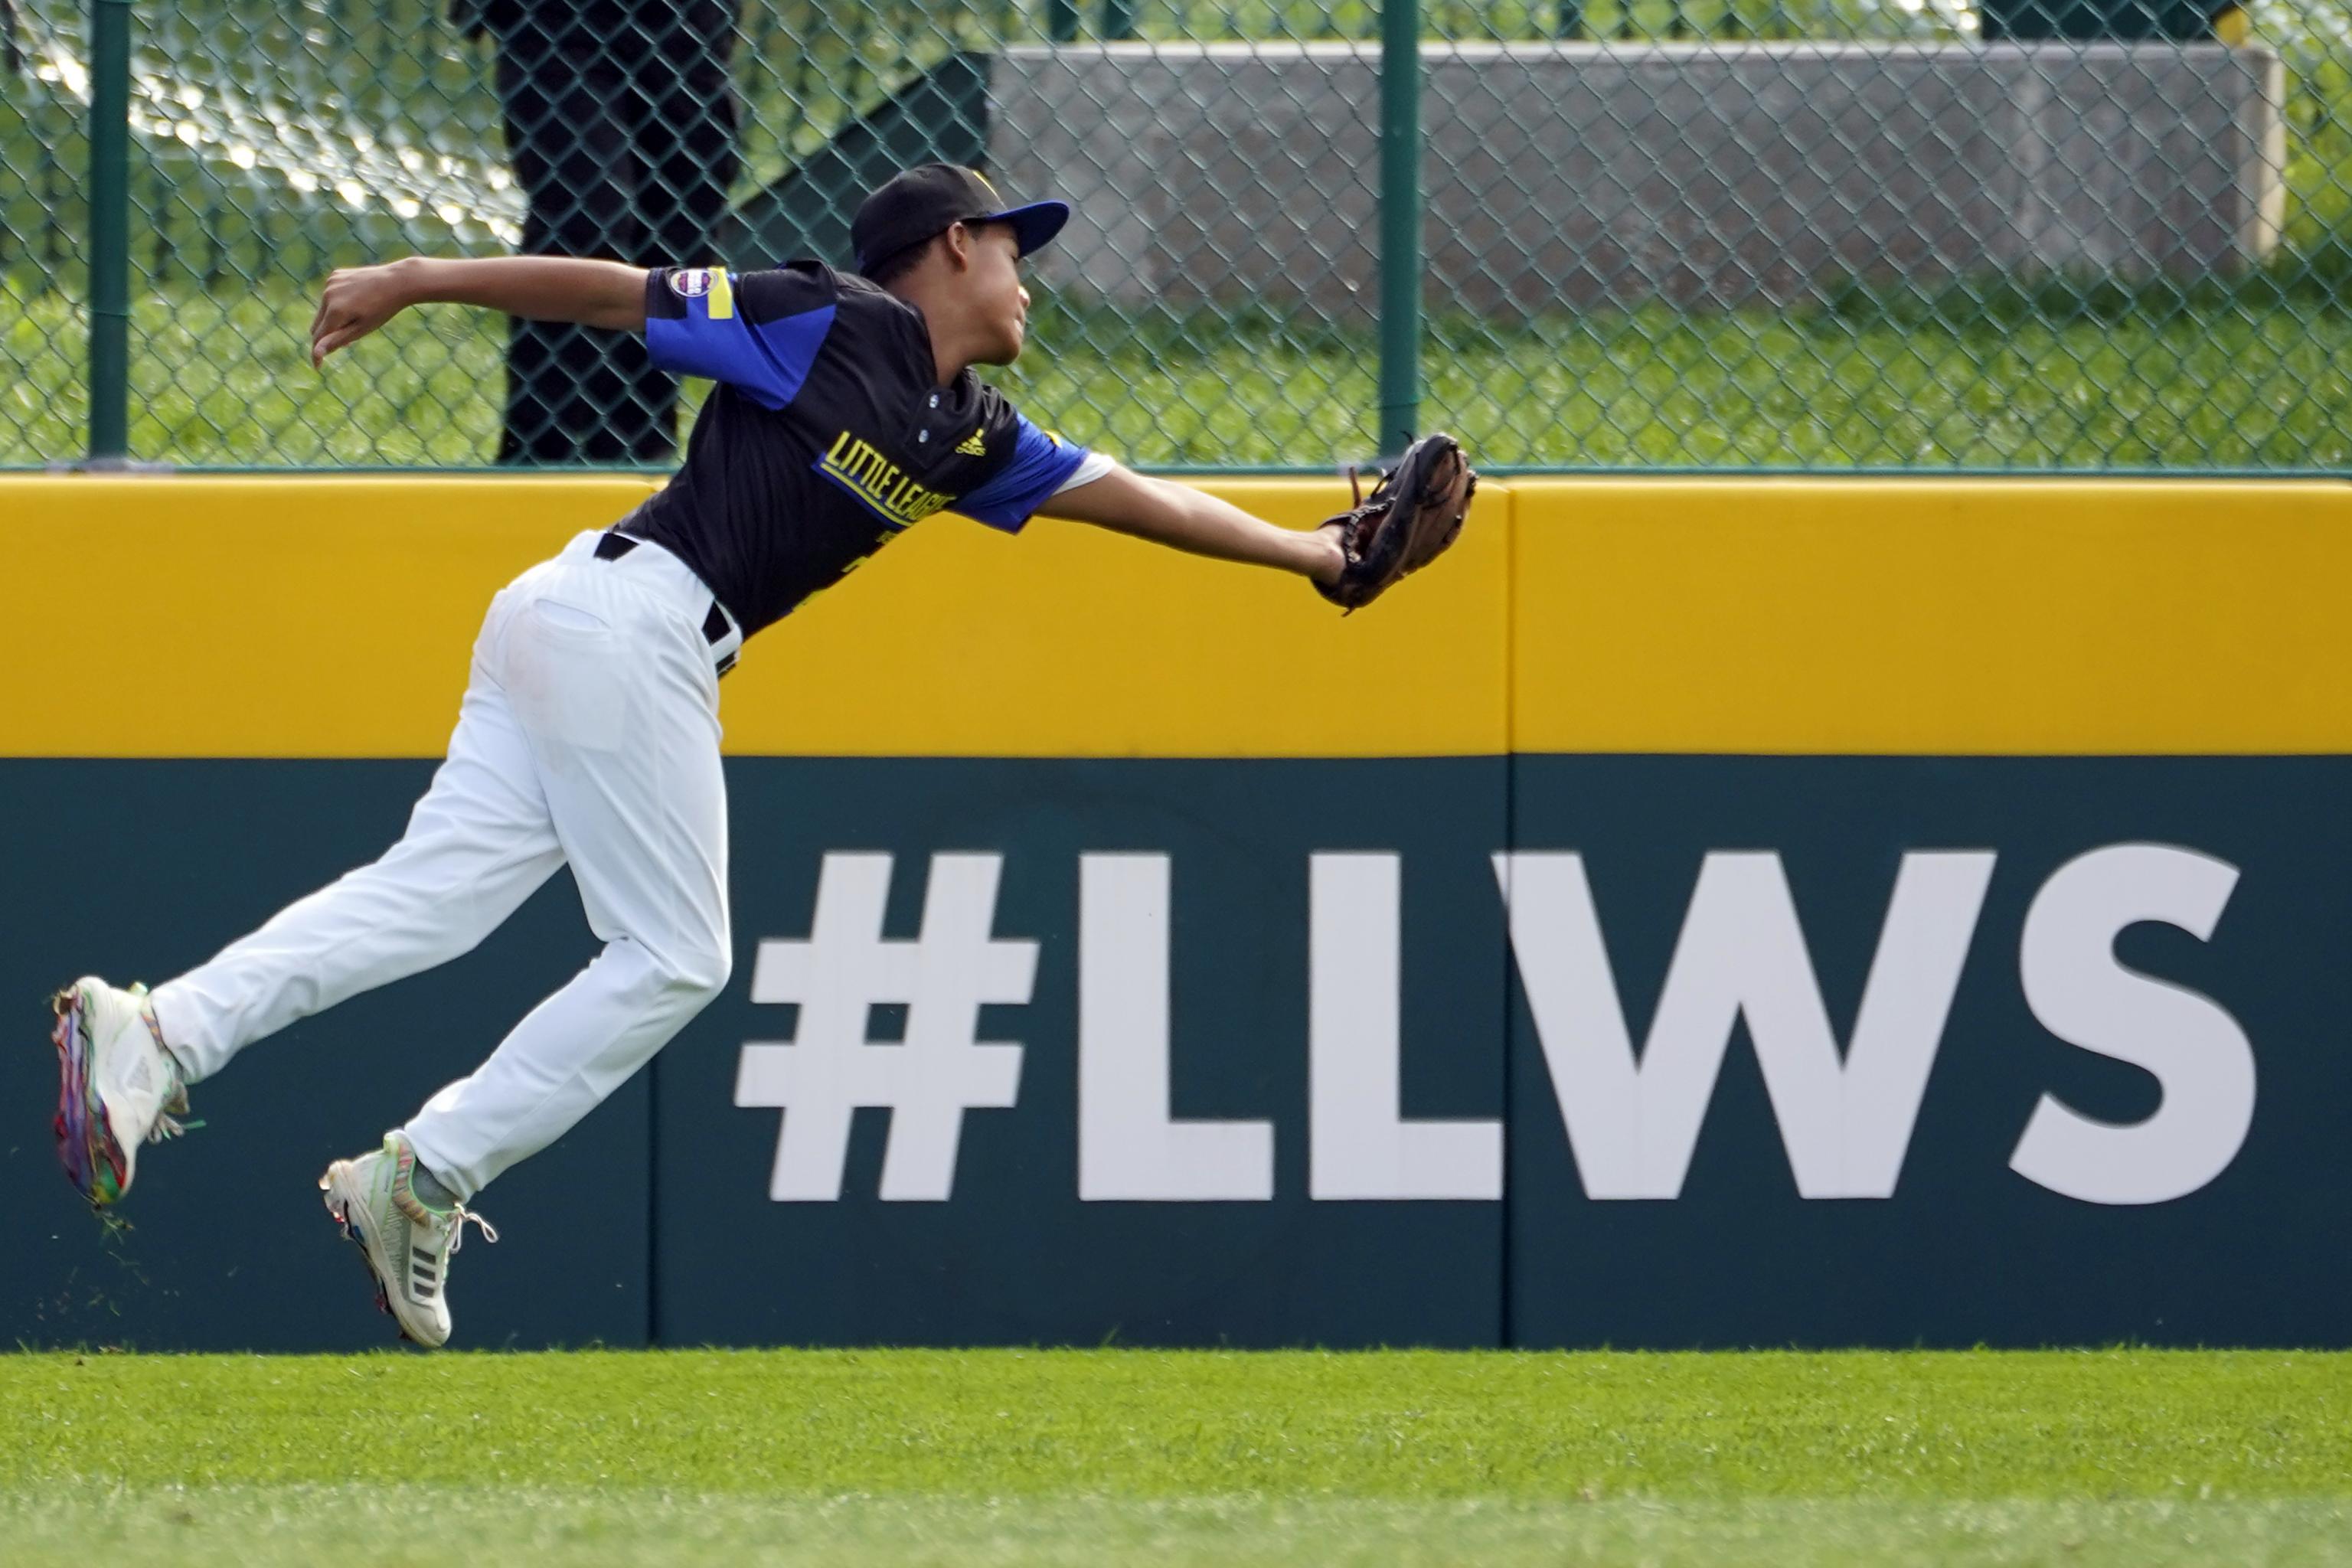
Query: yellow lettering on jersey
{"points": [[879, 482], [722, 295]]}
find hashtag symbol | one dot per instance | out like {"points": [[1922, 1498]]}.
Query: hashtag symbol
{"points": [[830, 1067]]}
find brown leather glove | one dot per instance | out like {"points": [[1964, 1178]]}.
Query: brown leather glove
{"points": [[1412, 515]]}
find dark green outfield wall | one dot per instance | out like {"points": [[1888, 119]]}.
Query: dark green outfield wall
{"points": [[140, 870], [1967, 1251], [654, 1220]]}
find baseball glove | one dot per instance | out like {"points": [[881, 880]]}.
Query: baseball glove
{"points": [[1412, 514]]}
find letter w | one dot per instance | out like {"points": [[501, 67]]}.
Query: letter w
{"points": [[1845, 1123]]}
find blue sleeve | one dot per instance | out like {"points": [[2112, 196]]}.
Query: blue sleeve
{"points": [[702, 322], [1041, 461]]}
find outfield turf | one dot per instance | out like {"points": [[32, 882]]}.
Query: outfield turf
{"points": [[1066, 1458]]}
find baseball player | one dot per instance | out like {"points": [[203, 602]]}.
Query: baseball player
{"points": [[845, 412]]}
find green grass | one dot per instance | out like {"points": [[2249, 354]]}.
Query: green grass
{"points": [[307, 1527], [1069, 1457], [2246, 377]]}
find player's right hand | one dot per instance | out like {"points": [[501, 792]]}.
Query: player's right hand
{"points": [[355, 303]]}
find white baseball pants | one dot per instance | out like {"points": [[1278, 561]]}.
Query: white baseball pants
{"points": [[589, 736]]}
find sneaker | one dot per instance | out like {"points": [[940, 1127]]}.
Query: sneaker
{"points": [[407, 1242], [117, 1087]]}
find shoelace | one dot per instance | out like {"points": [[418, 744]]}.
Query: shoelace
{"points": [[457, 1214], [460, 1214], [167, 1121], [404, 1199]]}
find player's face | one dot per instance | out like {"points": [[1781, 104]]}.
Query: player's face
{"points": [[1000, 305]]}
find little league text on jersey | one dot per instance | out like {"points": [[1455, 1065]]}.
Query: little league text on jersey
{"points": [[854, 464]]}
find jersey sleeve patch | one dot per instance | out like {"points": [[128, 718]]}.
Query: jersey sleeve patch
{"points": [[1033, 475], [697, 323]]}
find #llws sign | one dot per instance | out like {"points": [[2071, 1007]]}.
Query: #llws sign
{"points": [[1845, 1112]]}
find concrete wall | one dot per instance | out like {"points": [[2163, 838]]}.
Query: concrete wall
{"points": [[1584, 174]]}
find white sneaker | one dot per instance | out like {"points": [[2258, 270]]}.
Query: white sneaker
{"points": [[406, 1242], [117, 1087]]}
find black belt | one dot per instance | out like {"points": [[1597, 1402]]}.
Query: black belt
{"points": [[612, 546]]}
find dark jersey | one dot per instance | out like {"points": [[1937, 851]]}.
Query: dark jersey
{"points": [[826, 436]]}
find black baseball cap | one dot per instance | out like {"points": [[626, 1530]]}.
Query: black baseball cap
{"points": [[925, 200]]}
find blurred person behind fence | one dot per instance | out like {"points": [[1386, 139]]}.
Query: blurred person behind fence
{"points": [[621, 120]]}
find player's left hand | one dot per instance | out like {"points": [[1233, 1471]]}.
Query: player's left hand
{"points": [[355, 303], [1412, 515]]}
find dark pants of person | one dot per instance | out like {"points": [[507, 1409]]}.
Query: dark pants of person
{"points": [[623, 138]]}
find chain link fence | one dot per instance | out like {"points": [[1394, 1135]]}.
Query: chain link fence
{"points": [[2079, 235]]}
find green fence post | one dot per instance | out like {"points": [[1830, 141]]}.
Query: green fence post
{"points": [[1062, 21], [1118, 19], [1400, 223], [109, 231]]}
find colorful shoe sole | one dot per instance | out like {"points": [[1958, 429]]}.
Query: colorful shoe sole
{"points": [[93, 1160], [338, 1210]]}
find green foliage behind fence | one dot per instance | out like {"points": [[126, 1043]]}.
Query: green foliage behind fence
{"points": [[273, 141]]}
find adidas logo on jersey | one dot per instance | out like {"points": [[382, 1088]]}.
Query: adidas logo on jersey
{"points": [[971, 447]]}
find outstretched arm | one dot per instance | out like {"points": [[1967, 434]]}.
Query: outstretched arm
{"points": [[358, 299], [1194, 520]]}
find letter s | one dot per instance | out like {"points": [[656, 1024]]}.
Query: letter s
{"points": [[2201, 1058]]}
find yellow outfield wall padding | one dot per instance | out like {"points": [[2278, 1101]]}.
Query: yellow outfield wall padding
{"points": [[1995, 616], [1070, 641], [265, 617], [334, 617]]}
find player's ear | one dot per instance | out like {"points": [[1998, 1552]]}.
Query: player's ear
{"points": [[959, 244]]}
